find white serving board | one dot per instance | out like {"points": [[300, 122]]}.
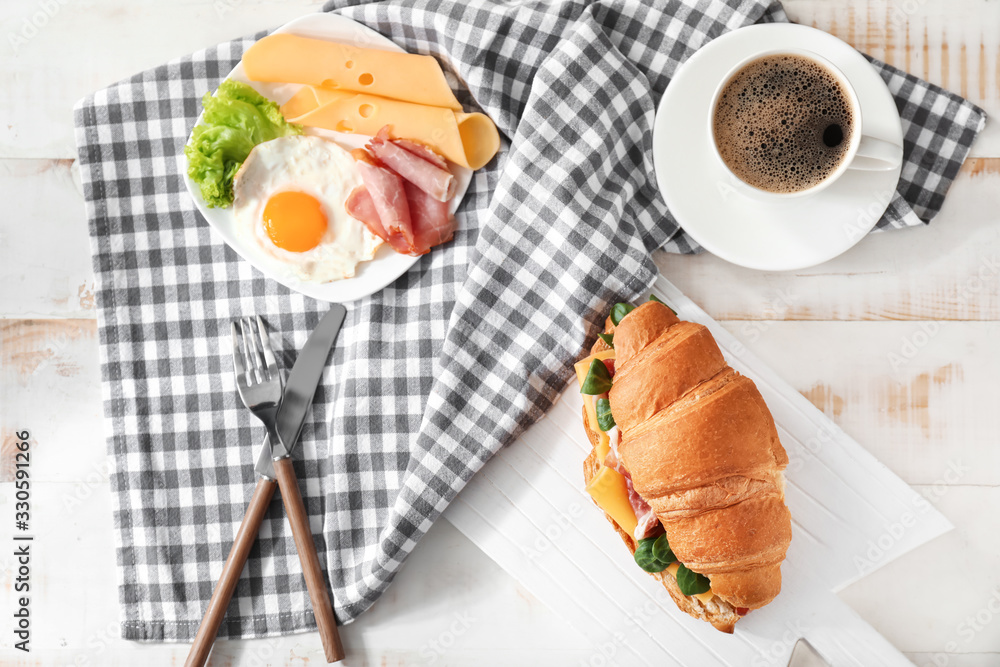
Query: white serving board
{"points": [[528, 511]]}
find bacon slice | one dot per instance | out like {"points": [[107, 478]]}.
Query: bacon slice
{"points": [[388, 195], [360, 205], [436, 181], [433, 223]]}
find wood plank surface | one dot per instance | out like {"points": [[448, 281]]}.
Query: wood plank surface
{"points": [[50, 386], [949, 270], [45, 267], [922, 428], [53, 57], [895, 341], [952, 43]]}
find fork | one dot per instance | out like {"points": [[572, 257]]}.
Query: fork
{"points": [[251, 388], [258, 379]]}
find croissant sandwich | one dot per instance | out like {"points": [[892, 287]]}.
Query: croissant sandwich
{"points": [[686, 463]]}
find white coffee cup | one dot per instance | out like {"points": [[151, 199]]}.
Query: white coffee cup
{"points": [[864, 153]]}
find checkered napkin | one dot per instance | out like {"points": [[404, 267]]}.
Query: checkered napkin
{"points": [[435, 373]]}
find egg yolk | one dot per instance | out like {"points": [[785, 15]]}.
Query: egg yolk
{"points": [[294, 221]]}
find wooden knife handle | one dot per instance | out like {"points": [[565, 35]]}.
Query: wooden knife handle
{"points": [[318, 595], [223, 592]]}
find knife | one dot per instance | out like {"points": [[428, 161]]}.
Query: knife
{"points": [[295, 403], [805, 655], [302, 383]]}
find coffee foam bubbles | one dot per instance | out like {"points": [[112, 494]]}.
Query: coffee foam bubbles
{"points": [[770, 122]]}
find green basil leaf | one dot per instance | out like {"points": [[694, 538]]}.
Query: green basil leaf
{"points": [[653, 297], [604, 419], [644, 556], [692, 583], [662, 551], [598, 379], [619, 311], [608, 338]]}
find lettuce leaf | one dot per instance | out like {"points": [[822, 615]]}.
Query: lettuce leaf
{"points": [[236, 119]]}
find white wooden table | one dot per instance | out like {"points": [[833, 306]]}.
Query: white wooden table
{"points": [[896, 341]]}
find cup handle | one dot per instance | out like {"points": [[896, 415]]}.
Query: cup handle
{"points": [[876, 155]]}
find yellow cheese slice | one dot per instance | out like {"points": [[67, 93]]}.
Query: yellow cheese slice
{"points": [[608, 490], [308, 98], [604, 441], [704, 597], [468, 139], [581, 368], [344, 66]]}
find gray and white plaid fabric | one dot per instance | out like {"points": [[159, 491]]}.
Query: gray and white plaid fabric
{"points": [[434, 374]]}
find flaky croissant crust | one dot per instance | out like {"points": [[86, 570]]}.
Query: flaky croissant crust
{"points": [[702, 449]]}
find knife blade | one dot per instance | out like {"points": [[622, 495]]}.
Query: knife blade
{"points": [[299, 390], [804, 655]]}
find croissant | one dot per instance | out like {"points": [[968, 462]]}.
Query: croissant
{"points": [[700, 453]]}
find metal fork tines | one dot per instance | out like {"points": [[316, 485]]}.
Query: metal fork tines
{"points": [[258, 378]]}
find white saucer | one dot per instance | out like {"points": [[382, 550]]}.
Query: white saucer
{"points": [[771, 236], [388, 264]]}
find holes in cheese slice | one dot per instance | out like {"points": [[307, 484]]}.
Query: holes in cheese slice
{"points": [[349, 64], [366, 79], [366, 110]]}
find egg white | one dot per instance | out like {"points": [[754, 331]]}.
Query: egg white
{"points": [[317, 167]]}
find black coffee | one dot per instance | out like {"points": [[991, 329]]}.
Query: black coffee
{"points": [[783, 123]]}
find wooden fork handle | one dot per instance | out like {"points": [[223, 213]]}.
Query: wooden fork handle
{"points": [[223, 592], [318, 595]]}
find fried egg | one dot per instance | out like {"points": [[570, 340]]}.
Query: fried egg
{"points": [[289, 199]]}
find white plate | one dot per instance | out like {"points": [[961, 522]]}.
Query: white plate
{"points": [[773, 236], [387, 264]]}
